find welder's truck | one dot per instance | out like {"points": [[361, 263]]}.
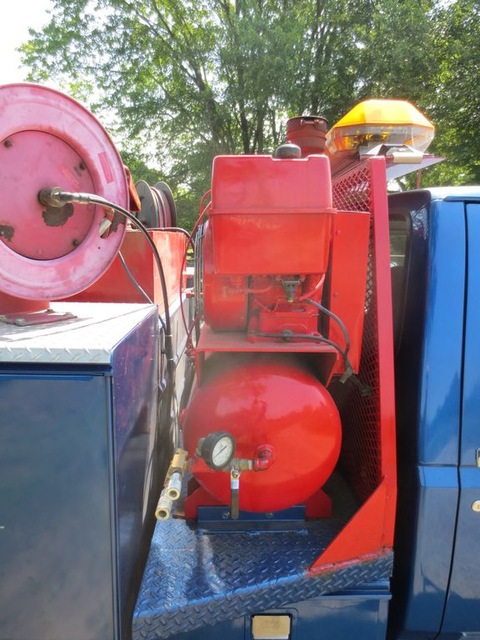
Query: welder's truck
{"points": [[300, 408]]}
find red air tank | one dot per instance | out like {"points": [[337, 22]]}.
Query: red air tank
{"points": [[282, 420]]}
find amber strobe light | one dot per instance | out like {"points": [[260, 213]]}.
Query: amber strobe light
{"points": [[376, 122]]}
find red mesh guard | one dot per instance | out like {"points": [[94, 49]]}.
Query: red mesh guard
{"points": [[352, 191], [368, 453]]}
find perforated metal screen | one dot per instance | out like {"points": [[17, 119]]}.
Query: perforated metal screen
{"points": [[361, 458]]}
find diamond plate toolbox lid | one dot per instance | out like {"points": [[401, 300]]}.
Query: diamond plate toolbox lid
{"points": [[88, 334]]}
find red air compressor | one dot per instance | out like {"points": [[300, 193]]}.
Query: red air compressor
{"points": [[281, 280]]}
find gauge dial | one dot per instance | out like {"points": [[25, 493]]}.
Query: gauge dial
{"points": [[217, 449]]}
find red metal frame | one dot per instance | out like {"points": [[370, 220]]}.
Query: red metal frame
{"points": [[370, 531], [347, 282], [116, 286]]}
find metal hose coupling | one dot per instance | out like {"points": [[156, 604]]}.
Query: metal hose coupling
{"points": [[57, 198]]}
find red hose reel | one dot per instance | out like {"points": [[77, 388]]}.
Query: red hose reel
{"points": [[49, 140]]}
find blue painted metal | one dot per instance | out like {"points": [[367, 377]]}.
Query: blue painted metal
{"points": [[419, 604], [219, 519], [359, 613], [470, 440], [134, 389], [75, 448], [440, 409], [193, 579], [428, 386], [56, 561], [462, 613]]}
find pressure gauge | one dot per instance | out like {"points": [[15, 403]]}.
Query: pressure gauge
{"points": [[217, 449]]}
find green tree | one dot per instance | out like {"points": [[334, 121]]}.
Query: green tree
{"points": [[189, 80], [397, 51], [456, 102]]}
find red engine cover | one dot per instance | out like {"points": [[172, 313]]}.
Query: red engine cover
{"points": [[271, 401]]}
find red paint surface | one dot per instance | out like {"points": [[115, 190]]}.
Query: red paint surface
{"points": [[269, 401], [270, 216], [35, 160], [9, 304], [368, 455], [348, 281], [116, 286]]}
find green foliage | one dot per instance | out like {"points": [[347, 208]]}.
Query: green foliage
{"points": [[456, 107], [181, 82], [398, 50], [139, 169]]}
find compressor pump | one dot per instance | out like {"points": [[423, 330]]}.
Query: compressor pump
{"points": [[281, 278]]}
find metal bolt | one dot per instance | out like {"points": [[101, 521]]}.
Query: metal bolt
{"points": [[476, 506], [79, 168]]}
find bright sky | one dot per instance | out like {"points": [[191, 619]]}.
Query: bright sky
{"points": [[21, 15]]}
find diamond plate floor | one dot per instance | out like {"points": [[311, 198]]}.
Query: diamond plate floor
{"points": [[193, 578]]}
